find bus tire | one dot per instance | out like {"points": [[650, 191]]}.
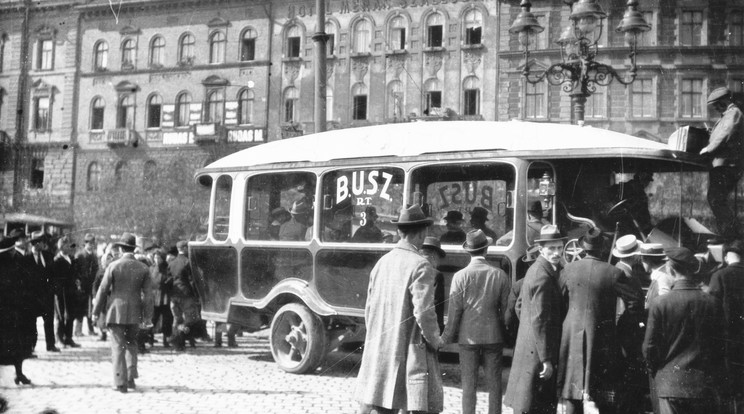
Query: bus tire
{"points": [[298, 340]]}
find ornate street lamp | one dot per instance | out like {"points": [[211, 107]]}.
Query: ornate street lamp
{"points": [[578, 71]]}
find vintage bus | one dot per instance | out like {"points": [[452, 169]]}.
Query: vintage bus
{"points": [[307, 278], [32, 222]]}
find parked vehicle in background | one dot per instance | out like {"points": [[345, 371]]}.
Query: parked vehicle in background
{"points": [[30, 223]]}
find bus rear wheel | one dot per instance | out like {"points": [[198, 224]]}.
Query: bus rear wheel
{"points": [[298, 340]]}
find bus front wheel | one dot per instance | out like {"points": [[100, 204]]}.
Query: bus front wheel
{"points": [[298, 339]]}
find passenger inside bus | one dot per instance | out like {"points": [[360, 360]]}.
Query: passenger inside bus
{"points": [[454, 234], [368, 232], [278, 216], [294, 229], [630, 203], [338, 227]]}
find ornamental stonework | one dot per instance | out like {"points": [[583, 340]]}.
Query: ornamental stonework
{"points": [[472, 61], [433, 62]]}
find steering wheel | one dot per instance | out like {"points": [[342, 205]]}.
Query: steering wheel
{"points": [[572, 251], [620, 206]]}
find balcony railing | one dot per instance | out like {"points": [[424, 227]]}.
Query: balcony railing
{"points": [[118, 137]]}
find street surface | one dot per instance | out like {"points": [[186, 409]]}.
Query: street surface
{"points": [[201, 380]]}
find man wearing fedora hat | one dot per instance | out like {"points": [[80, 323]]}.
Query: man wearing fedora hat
{"points": [[589, 371], [726, 147], [478, 219], [454, 234], [478, 299], [294, 229], [128, 286], [399, 368], [531, 386], [87, 267], [39, 264], [683, 347]]}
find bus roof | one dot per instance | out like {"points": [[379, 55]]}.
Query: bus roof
{"points": [[417, 138], [33, 219]]}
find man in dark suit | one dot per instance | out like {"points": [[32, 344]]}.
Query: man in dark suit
{"points": [[682, 346], [183, 299], [87, 268], [39, 264], [63, 279]]}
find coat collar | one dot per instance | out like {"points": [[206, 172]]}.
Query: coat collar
{"points": [[478, 260], [545, 264], [405, 245], [684, 284]]}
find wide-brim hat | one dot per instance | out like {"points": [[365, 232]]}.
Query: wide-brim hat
{"points": [[549, 233], [453, 216], [479, 212], [38, 236], [626, 246], [476, 240], [531, 254], [433, 243], [412, 216], [682, 256], [652, 250], [127, 240], [718, 94], [593, 240]]}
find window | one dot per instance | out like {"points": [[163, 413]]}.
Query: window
{"points": [[596, 105], [642, 98], [397, 40], [291, 96], [692, 98], [125, 114], [245, 106], [648, 38], [330, 30], [157, 51], [359, 101], [691, 28], [471, 96], [395, 100], [150, 171], [186, 49], [94, 177], [120, 172], [736, 28], [215, 106], [294, 38], [329, 104], [432, 97], [45, 60], [358, 205], [269, 201], [100, 59], [248, 45], [434, 30], [223, 191], [37, 173], [97, 109], [127, 53], [154, 110], [183, 102], [362, 36], [3, 40], [473, 27], [217, 47], [535, 101], [42, 114]]}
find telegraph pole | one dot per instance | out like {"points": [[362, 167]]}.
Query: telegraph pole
{"points": [[320, 38]]}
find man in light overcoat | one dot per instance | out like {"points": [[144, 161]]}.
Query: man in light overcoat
{"points": [[399, 368]]}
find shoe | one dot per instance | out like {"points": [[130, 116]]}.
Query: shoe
{"points": [[32, 356], [103, 337], [122, 389], [192, 342], [232, 344], [166, 344], [130, 384], [22, 379], [52, 349], [217, 345], [72, 344], [142, 350]]}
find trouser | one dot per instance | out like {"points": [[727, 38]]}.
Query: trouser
{"points": [[721, 182], [124, 352], [163, 311], [373, 409], [686, 406], [64, 319], [230, 328], [472, 357], [185, 312]]}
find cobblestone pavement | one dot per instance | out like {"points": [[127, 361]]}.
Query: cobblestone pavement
{"points": [[201, 380]]}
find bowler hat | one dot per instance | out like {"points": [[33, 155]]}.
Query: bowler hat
{"points": [[652, 250], [127, 240], [531, 254], [718, 94], [89, 237], [593, 240], [453, 216], [535, 208], [682, 256], [548, 233], [479, 212], [38, 236], [433, 243], [299, 207], [626, 246], [411, 216], [476, 240]]}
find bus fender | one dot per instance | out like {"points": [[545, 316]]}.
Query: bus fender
{"points": [[300, 289]]}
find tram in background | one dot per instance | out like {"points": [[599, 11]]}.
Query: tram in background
{"points": [[311, 291]]}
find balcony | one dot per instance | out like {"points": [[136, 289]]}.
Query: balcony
{"points": [[211, 133], [119, 137]]}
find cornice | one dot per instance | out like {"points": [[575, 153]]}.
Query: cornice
{"points": [[100, 8], [190, 69]]}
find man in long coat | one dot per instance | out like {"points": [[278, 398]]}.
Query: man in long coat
{"points": [[589, 367], [399, 369], [531, 387]]}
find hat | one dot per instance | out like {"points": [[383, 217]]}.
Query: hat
{"points": [[531, 254], [593, 240], [476, 240], [17, 233], [735, 246], [626, 246], [412, 216], [718, 94], [89, 237], [682, 256], [549, 233], [39, 236], [370, 211], [127, 239], [182, 245], [536, 208], [299, 207], [453, 216], [652, 250], [433, 243], [479, 212]]}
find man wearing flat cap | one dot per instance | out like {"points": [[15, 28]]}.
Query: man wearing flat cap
{"points": [[726, 147], [399, 368]]}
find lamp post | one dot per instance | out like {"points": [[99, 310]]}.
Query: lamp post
{"points": [[578, 72]]}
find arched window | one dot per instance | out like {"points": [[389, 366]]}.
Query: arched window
{"points": [[473, 24], [245, 107], [359, 104], [294, 41], [291, 96], [248, 45], [94, 177], [120, 172], [397, 34], [330, 30], [97, 109], [183, 103], [217, 47], [471, 96], [154, 109], [100, 57], [186, 49], [157, 51], [432, 96], [149, 173], [395, 100], [125, 115], [329, 103], [127, 53], [362, 36], [215, 106], [434, 30]]}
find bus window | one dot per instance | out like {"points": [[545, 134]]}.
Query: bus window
{"points": [[279, 204], [359, 204], [221, 223], [480, 192]]}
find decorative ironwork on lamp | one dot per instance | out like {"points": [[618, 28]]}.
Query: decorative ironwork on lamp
{"points": [[578, 72]]}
